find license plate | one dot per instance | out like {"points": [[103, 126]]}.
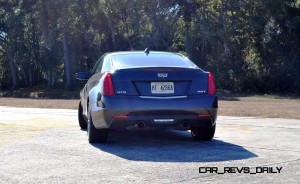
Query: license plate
{"points": [[162, 87]]}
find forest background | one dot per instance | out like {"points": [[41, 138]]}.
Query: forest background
{"points": [[249, 46]]}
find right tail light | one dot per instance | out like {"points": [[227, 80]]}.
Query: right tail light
{"points": [[211, 84]]}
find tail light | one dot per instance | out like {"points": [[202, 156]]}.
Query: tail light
{"points": [[108, 88], [211, 84]]}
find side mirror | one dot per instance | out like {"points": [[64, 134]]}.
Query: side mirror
{"points": [[82, 75]]}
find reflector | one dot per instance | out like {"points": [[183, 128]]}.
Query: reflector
{"points": [[120, 117], [203, 115]]}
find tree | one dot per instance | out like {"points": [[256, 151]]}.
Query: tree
{"points": [[250, 46]]}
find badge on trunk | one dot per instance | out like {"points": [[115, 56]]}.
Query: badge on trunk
{"points": [[162, 75]]}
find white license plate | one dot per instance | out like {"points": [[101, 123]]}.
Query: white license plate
{"points": [[162, 87]]}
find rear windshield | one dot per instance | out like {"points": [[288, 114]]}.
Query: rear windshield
{"points": [[136, 60]]}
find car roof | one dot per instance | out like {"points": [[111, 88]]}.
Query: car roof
{"points": [[142, 52]]}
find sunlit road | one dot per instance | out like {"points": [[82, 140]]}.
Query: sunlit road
{"points": [[47, 146]]}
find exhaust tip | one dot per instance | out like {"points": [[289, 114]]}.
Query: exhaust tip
{"points": [[141, 124]]}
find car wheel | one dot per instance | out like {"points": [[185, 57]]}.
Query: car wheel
{"points": [[96, 135], [203, 133], [81, 120]]}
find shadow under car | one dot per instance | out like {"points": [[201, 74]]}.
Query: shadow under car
{"points": [[170, 146]]}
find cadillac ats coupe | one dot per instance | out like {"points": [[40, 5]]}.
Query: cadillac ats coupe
{"points": [[139, 89]]}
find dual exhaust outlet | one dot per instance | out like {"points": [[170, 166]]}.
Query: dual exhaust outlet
{"points": [[141, 124]]}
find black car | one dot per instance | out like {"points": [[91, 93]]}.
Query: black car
{"points": [[147, 90]]}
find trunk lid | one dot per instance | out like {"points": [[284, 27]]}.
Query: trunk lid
{"points": [[160, 82]]}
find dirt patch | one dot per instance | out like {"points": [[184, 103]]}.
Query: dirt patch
{"points": [[42, 92], [261, 106], [257, 106], [40, 103]]}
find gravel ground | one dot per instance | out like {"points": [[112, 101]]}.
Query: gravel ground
{"points": [[46, 146]]}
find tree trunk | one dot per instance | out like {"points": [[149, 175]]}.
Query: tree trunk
{"points": [[46, 41], [49, 77], [66, 59], [111, 28], [110, 25], [225, 33], [53, 76], [30, 77], [25, 77], [45, 24], [13, 72], [188, 39]]}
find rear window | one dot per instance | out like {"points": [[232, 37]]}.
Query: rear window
{"points": [[136, 60]]}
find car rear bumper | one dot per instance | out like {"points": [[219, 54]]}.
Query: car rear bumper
{"points": [[176, 113]]}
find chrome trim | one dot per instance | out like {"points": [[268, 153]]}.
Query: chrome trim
{"points": [[163, 97], [164, 120]]}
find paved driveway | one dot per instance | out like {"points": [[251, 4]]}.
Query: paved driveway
{"points": [[46, 146]]}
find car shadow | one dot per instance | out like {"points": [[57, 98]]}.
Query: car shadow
{"points": [[170, 146]]}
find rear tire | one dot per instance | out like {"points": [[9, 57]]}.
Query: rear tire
{"points": [[203, 133], [96, 135], [81, 120]]}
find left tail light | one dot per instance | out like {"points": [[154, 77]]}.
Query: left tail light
{"points": [[108, 87]]}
